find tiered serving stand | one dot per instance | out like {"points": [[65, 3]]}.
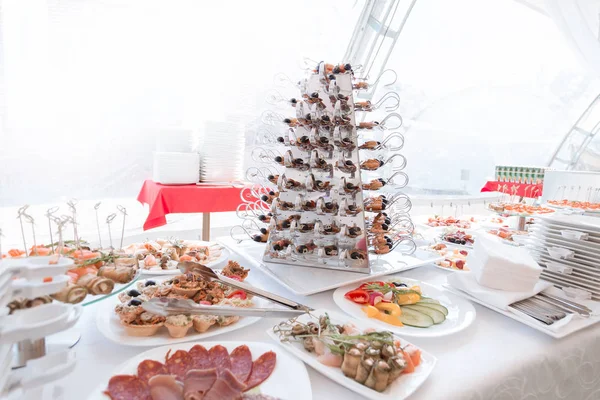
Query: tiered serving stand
{"points": [[23, 333], [329, 188]]}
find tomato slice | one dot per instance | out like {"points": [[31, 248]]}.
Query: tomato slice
{"points": [[238, 294], [358, 296]]}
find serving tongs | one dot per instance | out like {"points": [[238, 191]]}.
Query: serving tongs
{"points": [[166, 306], [209, 274]]}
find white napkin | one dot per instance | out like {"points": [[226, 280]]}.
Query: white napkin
{"points": [[466, 282]]}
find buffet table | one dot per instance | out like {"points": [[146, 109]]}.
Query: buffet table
{"points": [[168, 199], [495, 358]]}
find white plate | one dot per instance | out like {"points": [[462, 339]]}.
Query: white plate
{"points": [[451, 269], [308, 280], [219, 262], [400, 389], [460, 312], [289, 379], [109, 325]]}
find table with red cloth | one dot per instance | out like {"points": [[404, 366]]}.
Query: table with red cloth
{"points": [[531, 190], [169, 199]]}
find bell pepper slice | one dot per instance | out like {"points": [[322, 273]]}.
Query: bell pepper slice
{"points": [[358, 296], [392, 309]]}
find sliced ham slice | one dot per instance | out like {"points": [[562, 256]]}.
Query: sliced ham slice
{"points": [[262, 368], [219, 358], [241, 362], [165, 387], [225, 387], [197, 382]]}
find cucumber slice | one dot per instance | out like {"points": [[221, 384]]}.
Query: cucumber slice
{"points": [[415, 318], [437, 316], [428, 300], [438, 307]]}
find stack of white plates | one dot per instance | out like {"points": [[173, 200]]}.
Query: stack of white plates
{"points": [[568, 248], [176, 168], [222, 149], [174, 141]]}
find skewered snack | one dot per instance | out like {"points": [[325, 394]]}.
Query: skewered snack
{"points": [[357, 254], [273, 179], [331, 250], [353, 231], [266, 218], [376, 204], [346, 166], [292, 184], [281, 244], [268, 198], [23, 303], [262, 237], [71, 294], [381, 218], [360, 85], [363, 106], [286, 205], [351, 188], [375, 184], [292, 122], [330, 229], [352, 209], [368, 125], [96, 284], [329, 207], [309, 205], [117, 274], [371, 164], [306, 248], [369, 145], [322, 186]]}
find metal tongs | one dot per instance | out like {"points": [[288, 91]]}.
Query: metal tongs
{"points": [[177, 306], [165, 306]]}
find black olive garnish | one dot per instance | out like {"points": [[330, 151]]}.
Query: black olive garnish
{"points": [[133, 293], [263, 231], [134, 302], [287, 121], [150, 283]]}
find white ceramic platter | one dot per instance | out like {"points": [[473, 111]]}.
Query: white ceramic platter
{"points": [[109, 325], [289, 379], [400, 389], [461, 313], [306, 280], [219, 262]]}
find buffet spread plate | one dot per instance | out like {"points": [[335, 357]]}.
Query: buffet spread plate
{"points": [[461, 312], [109, 325], [289, 379], [306, 280], [400, 389]]}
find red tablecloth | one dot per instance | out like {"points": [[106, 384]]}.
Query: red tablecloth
{"points": [[165, 199], [513, 188]]}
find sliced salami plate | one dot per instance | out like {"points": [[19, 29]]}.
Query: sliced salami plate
{"points": [[252, 367]]}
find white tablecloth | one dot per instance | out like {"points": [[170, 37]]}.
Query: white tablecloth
{"points": [[496, 358]]}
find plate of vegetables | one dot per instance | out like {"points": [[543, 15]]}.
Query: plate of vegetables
{"points": [[406, 307]]}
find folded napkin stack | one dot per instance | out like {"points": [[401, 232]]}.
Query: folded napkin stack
{"points": [[502, 267]]}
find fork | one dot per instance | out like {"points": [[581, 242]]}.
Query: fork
{"points": [[544, 312]]}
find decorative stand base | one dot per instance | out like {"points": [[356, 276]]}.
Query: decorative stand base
{"points": [[31, 349]]}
